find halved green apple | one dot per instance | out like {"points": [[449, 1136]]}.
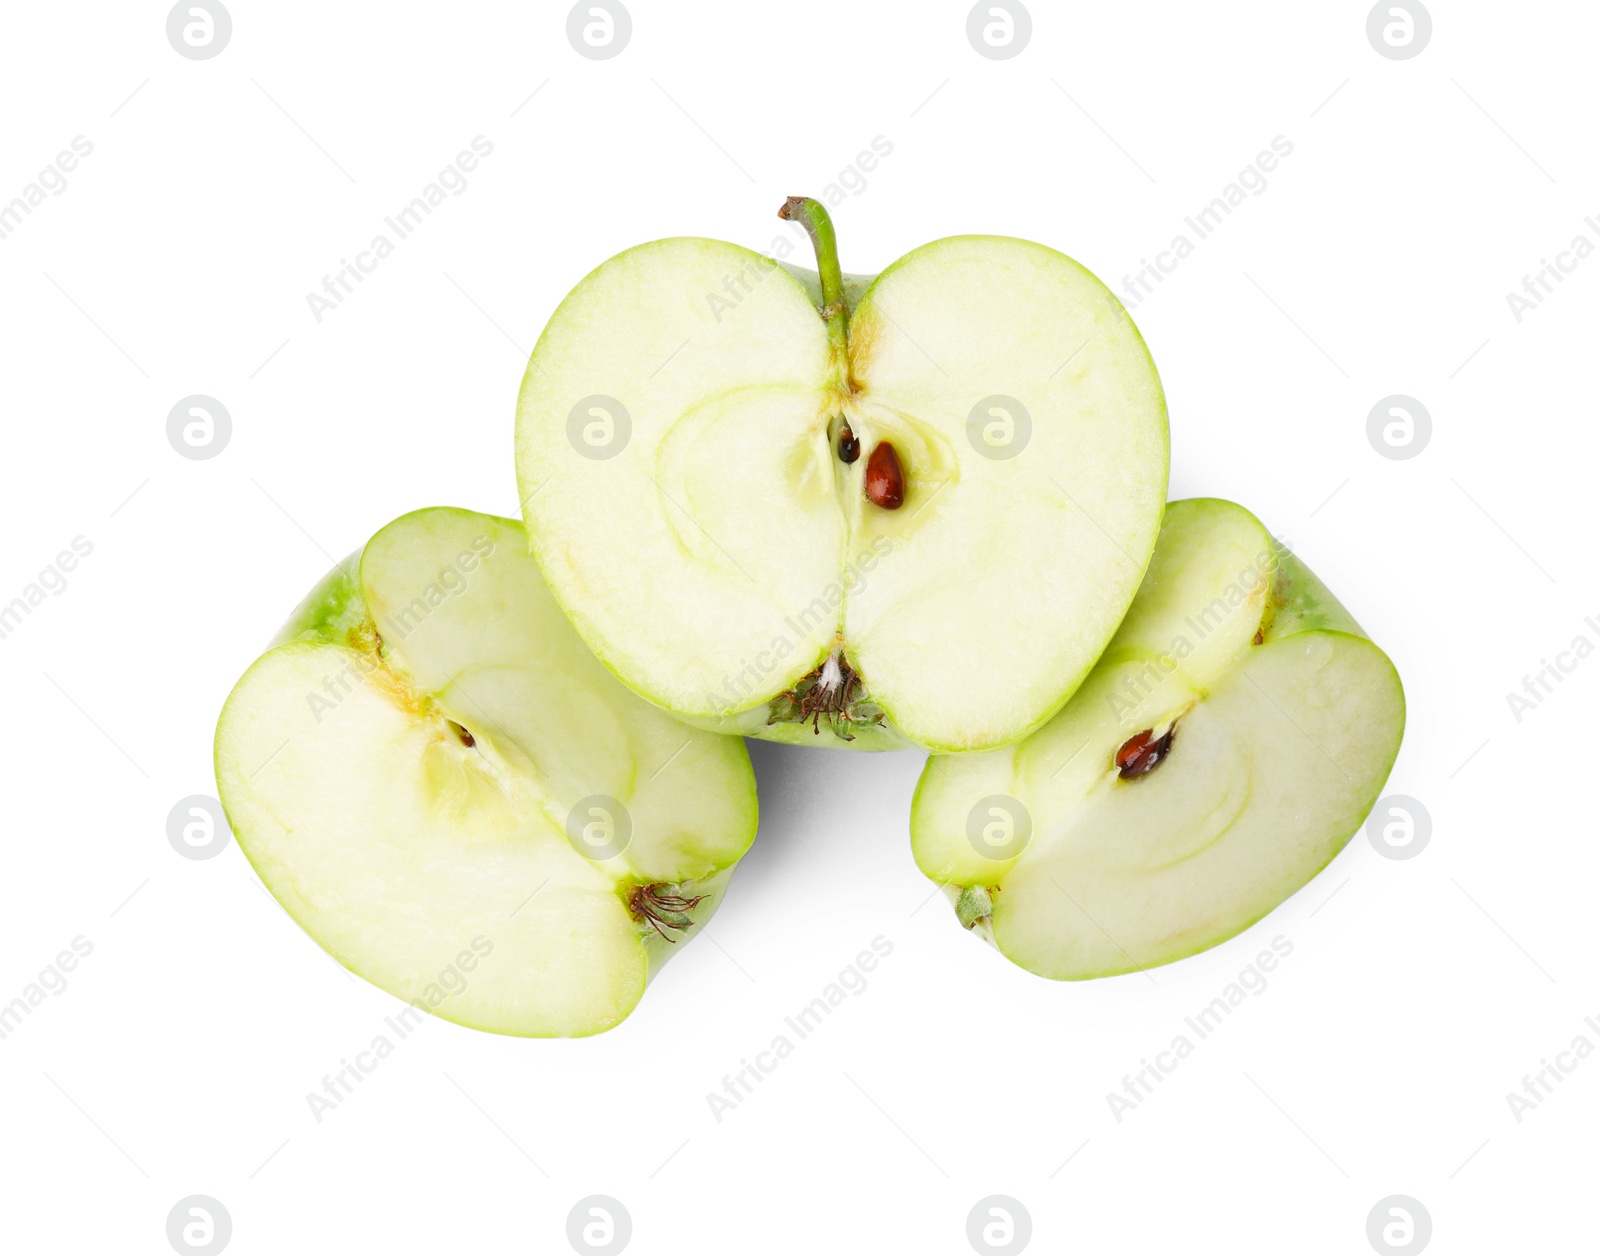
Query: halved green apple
{"points": [[902, 509], [1234, 735], [454, 798]]}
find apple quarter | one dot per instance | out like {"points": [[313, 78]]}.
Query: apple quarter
{"points": [[432, 774]]}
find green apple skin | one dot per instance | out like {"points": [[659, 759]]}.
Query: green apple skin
{"points": [[1286, 719], [933, 676], [334, 612], [336, 620]]}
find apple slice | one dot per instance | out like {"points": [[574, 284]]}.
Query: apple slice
{"points": [[455, 799], [1234, 735], [910, 511]]}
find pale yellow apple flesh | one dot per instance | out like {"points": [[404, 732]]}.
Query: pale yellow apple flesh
{"points": [[1285, 722], [413, 772]]}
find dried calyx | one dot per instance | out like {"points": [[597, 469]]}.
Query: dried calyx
{"points": [[663, 907], [833, 692], [1142, 753]]}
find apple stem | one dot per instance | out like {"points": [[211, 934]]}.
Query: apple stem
{"points": [[814, 218]]}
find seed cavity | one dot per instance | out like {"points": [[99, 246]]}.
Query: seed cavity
{"points": [[886, 479], [1142, 753], [849, 446], [462, 735]]}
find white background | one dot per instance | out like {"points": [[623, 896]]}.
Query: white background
{"points": [[177, 261]]}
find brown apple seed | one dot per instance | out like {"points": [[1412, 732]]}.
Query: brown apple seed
{"points": [[849, 446], [1142, 753], [886, 480]]}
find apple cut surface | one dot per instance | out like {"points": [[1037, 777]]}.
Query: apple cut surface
{"points": [[432, 772], [728, 564], [1234, 735]]}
